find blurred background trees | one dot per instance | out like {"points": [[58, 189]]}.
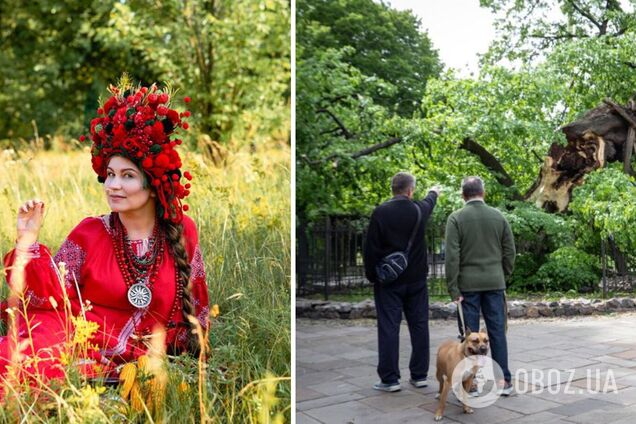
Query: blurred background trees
{"points": [[232, 58]]}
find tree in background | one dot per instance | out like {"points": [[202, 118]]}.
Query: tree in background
{"points": [[387, 43], [350, 84], [231, 57]]}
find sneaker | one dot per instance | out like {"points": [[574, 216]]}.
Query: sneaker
{"points": [[387, 387], [419, 383], [506, 390]]}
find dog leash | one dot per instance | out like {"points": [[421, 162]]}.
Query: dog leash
{"points": [[460, 311]]}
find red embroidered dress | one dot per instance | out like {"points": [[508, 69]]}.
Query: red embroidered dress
{"points": [[89, 255]]}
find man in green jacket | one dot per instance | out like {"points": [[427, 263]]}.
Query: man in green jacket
{"points": [[480, 254]]}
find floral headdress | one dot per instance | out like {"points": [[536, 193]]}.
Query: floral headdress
{"points": [[138, 123]]}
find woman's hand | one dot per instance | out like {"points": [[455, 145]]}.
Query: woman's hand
{"points": [[30, 217]]}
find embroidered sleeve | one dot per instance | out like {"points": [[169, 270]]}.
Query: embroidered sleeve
{"points": [[36, 274], [72, 255]]}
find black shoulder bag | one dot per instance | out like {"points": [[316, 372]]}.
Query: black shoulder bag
{"points": [[393, 265]]}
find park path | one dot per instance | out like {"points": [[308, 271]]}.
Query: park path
{"points": [[336, 360]]}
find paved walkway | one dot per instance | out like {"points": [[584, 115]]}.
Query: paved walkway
{"points": [[336, 360]]}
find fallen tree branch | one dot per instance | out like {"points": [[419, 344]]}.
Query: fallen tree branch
{"points": [[364, 152], [491, 162], [345, 132], [621, 111]]}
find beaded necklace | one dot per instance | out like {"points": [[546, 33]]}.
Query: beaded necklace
{"points": [[140, 273]]}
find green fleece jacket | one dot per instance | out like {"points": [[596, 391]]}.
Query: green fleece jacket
{"points": [[480, 249]]}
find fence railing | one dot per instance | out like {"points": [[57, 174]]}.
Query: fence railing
{"points": [[329, 257], [618, 268], [329, 260]]}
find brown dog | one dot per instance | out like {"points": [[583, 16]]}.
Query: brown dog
{"points": [[449, 355]]}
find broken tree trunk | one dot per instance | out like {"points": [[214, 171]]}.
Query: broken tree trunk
{"points": [[602, 135]]}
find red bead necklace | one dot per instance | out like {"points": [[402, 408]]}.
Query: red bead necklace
{"points": [[141, 272]]}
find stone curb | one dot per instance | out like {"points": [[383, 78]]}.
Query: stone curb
{"points": [[317, 309]]}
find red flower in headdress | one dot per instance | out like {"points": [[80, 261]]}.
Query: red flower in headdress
{"points": [[138, 124]]}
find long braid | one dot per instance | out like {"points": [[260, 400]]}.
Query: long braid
{"points": [[174, 236]]}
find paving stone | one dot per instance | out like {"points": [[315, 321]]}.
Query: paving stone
{"points": [[489, 415], [625, 397], [525, 404], [579, 407], [302, 418], [358, 371], [334, 388], [318, 377], [610, 415], [626, 354], [360, 353], [541, 417], [562, 397], [327, 401], [304, 393], [344, 413], [616, 361], [335, 364], [391, 402]]}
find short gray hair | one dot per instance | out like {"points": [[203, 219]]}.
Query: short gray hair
{"points": [[472, 187], [401, 182]]}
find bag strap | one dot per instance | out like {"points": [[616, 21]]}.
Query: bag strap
{"points": [[417, 225]]}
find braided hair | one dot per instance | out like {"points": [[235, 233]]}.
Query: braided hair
{"points": [[174, 237]]}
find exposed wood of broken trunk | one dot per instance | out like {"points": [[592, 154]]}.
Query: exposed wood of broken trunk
{"points": [[605, 134]]}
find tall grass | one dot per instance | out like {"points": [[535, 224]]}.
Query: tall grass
{"points": [[243, 215]]}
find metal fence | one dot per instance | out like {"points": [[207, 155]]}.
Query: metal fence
{"points": [[618, 269], [329, 257]]}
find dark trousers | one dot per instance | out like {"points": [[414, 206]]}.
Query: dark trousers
{"points": [[491, 303], [390, 301]]}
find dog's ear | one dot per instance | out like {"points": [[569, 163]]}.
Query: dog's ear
{"points": [[483, 330], [467, 332]]}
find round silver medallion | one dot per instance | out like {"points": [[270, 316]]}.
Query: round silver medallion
{"points": [[139, 295]]}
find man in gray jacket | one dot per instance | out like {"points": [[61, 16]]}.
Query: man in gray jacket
{"points": [[480, 254]]}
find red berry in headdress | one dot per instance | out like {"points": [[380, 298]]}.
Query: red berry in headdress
{"points": [[173, 115], [139, 126]]}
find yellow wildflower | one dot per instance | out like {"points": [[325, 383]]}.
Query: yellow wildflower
{"points": [[214, 312]]}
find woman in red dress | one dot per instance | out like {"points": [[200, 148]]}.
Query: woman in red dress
{"points": [[136, 272]]}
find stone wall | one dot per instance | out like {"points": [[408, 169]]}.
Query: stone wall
{"points": [[306, 308]]}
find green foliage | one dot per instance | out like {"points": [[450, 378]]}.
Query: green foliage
{"points": [[510, 114], [606, 202], [232, 58], [567, 268], [537, 233], [347, 88], [530, 28], [336, 116], [386, 43]]}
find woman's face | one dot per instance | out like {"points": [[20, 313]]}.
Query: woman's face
{"points": [[124, 187]]}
